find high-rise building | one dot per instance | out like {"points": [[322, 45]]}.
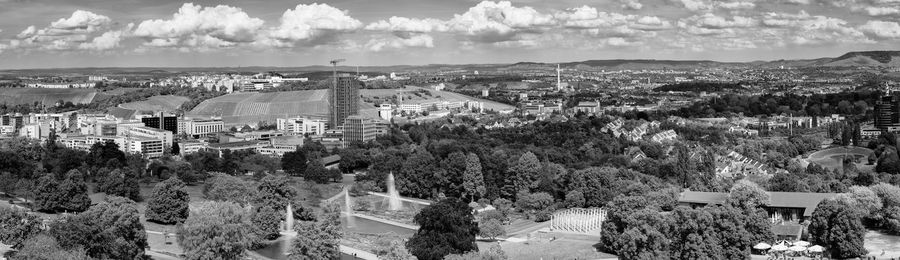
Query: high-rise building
{"points": [[887, 112], [358, 129], [169, 123], [343, 98]]}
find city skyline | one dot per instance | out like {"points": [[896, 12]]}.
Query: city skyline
{"points": [[131, 33]]}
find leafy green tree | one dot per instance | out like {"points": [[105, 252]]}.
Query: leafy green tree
{"points": [[526, 172], [574, 199], [695, 235], [747, 194], [318, 240], [417, 174], [393, 249], [275, 192], [491, 228], [123, 184], [216, 230], [865, 199], [353, 159], [16, 226], [473, 179], [837, 225], [645, 236], [102, 152], [294, 163], [267, 221], [70, 195], [168, 203], [446, 227], [224, 187], [109, 230], [504, 206], [44, 247], [536, 206], [316, 172]]}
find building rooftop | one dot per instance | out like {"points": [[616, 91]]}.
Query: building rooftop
{"points": [[805, 200]]}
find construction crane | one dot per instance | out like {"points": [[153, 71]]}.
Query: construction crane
{"points": [[334, 64]]}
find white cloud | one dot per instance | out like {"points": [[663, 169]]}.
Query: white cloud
{"points": [[737, 5], [498, 21], [309, 23], [108, 40], [882, 11], [695, 5], [403, 24], [797, 2], [631, 4], [380, 44], [219, 26], [881, 29], [63, 34]]}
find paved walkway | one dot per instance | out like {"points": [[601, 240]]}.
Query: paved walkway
{"points": [[386, 221], [358, 253]]}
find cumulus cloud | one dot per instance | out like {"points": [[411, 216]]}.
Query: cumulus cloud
{"points": [[631, 4], [498, 21], [797, 2], [403, 24], [420, 41], [201, 27], [64, 33], [106, 41], [737, 5], [695, 5], [881, 29], [882, 11], [310, 23]]}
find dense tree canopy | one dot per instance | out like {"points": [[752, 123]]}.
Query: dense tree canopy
{"points": [[446, 227], [216, 230], [168, 203]]}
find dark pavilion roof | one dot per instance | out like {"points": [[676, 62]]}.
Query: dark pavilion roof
{"points": [[804, 200]]}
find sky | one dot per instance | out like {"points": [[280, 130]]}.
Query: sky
{"points": [[231, 33]]}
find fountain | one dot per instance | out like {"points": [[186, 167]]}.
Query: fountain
{"points": [[348, 210], [288, 231], [393, 195]]}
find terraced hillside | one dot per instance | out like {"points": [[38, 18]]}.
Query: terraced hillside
{"points": [[16, 96], [238, 109], [166, 103]]}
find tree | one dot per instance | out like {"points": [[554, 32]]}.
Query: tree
{"points": [[294, 163], [275, 192], [446, 227], [16, 226], [102, 152], [747, 194], [526, 172], [176, 149], [123, 184], [44, 247], [535, 205], [216, 230], [267, 221], [695, 236], [318, 240], [837, 225], [69, 195], [168, 203], [393, 249], [224, 187], [352, 159], [865, 199], [109, 230], [473, 179], [504, 206], [574, 199], [491, 228], [316, 172]]}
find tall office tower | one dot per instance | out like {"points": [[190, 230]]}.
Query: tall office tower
{"points": [[887, 112], [343, 98], [169, 123]]}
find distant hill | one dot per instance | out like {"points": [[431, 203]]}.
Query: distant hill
{"points": [[867, 58], [48, 96]]}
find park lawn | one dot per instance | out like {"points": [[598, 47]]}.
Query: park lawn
{"points": [[547, 250]]}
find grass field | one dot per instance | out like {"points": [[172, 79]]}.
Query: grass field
{"points": [[17, 96], [167, 103], [832, 158]]}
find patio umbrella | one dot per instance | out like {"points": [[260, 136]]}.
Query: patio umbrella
{"points": [[779, 247], [816, 249], [762, 246], [798, 248], [801, 243]]}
